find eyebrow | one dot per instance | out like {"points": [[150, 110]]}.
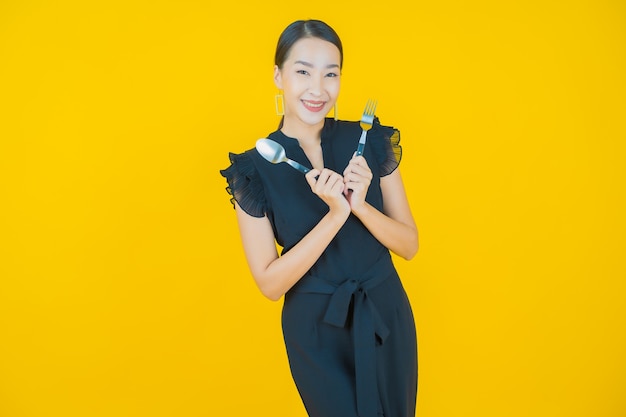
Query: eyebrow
{"points": [[307, 64]]}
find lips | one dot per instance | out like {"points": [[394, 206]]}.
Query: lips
{"points": [[313, 106]]}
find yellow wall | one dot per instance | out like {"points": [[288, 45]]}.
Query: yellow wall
{"points": [[123, 288]]}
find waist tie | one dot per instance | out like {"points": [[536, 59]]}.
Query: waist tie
{"points": [[367, 326]]}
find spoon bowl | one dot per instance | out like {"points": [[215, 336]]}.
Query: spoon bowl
{"points": [[275, 153]]}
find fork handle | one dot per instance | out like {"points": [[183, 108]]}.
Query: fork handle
{"points": [[359, 149]]}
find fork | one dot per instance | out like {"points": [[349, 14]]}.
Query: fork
{"points": [[366, 124]]}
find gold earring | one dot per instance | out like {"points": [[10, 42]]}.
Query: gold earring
{"points": [[280, 109]]}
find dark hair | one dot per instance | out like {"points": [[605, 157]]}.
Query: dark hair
{"points": [[305, 29]]}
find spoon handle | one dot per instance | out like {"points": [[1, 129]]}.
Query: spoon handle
{"points": [[298, 166]]}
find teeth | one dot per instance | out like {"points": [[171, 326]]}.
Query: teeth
{"points": [[308, 103]]}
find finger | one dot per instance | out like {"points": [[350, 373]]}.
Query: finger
{"points": [[350, 177], [332, 182], [339, 187], [312, 177], [358, 161], [351, 185], [352, 166], [358, 173], [361, 163], [360, 166], [335, 185], [326, 181], [358, 176], [322, 177]]}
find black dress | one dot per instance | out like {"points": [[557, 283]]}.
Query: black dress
{"points": [[347, 324]]}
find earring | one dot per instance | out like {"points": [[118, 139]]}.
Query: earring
{"points": [[280, 109]]}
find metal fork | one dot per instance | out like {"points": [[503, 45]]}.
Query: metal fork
{"points": [[366, 124]]}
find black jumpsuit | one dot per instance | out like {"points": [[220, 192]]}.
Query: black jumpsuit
{"points": [[348, 326]]}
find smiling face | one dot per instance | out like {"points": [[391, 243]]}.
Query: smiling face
{"points": [[310, 80]]}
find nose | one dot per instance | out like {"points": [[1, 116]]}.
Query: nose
{"points": [[315, 85]]}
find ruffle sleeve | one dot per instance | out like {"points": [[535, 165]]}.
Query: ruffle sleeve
{"points": [[385, 142], [244, 184]]}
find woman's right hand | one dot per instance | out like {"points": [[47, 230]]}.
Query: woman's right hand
{"points": [[328, 185], [275, 274]]}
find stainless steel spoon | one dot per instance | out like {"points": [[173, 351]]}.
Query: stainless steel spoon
{"points": [[275, 153]]}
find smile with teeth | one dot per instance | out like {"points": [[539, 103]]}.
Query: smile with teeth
{"points": [[313, 105]]}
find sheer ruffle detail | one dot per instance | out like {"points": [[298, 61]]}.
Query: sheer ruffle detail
{"points": [[385, 142], [244, 184]]}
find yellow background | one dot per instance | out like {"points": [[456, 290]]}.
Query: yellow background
{"points": [[123, 287]]}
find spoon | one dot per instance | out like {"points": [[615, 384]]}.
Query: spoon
{"points": [[275, 153]]}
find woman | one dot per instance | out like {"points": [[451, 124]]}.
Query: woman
{"points": [[347, 323]]}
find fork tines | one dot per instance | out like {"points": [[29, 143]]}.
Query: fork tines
{"points": [[370, 108]]}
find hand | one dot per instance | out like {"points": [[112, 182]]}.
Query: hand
{"points": [[357, 178], [329, 186]]}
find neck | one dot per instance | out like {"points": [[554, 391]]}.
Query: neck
{"points": [[303, 132]]}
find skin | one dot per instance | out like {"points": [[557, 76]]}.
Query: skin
{"points": [[310, 80]]}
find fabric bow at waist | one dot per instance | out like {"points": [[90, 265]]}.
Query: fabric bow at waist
{"points": [[367, 326]]}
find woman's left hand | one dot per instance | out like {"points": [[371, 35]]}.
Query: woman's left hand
{"points": [[357, 178]]}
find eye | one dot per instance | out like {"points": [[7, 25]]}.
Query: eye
{"points": [[332, 74], [303, 72]]}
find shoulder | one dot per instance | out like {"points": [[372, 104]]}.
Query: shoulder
{"points": [[244, 182], [385, 142], [241, 164]]}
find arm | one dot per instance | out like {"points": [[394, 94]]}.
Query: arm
{"points": [[394, 227], [273, 274]]}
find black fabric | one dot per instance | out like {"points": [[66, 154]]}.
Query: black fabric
{"points": [[347, 324]]}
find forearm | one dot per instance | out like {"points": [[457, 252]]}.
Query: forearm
{"points": [[398, 237], [284, 272], [275, 275]]}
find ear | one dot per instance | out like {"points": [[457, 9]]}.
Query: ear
{"points": [[278, 77]]}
